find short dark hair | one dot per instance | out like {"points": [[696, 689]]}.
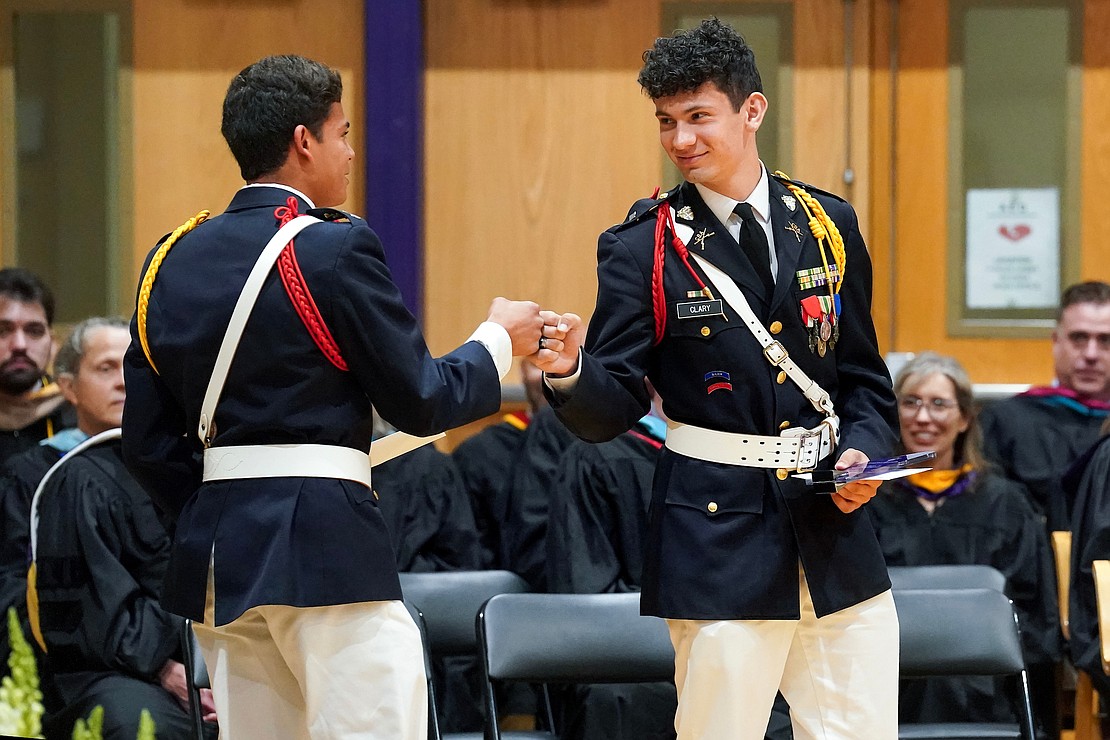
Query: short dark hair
{"points": [[1092, 291], [25, 286], [712, 52], [72, 351], [267, 101]]}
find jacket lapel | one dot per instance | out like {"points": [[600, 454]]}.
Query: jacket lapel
{"points": [[717, 246], [792, 234]]}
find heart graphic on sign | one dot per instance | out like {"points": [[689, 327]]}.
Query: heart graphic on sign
{"points": [[1016, 233]]}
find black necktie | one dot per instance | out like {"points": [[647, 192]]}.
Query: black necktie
{"points": [[753, 240]]}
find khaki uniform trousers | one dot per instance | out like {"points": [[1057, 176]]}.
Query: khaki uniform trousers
{"points": [[839, 673], [352, 671]]}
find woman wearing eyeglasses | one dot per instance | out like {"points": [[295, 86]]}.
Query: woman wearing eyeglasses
{"points": [[961, 512]]}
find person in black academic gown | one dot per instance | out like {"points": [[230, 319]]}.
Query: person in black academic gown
{"points": [[1035, 436], [100, 559], [961, 512], [430, 522], [1088, 484], [486, 462]]}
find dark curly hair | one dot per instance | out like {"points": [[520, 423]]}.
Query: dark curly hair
{"points": [[267, 101], [712, 52]]}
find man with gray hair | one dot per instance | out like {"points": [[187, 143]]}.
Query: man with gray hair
{"points": [[22, 472], [99, 558]]}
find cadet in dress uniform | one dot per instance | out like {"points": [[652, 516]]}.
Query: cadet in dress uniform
{"points": [[281, 555], [764, 583]]}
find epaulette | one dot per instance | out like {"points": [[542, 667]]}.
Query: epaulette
{"points": [[646, 206], [334, 215], [806, 186]]}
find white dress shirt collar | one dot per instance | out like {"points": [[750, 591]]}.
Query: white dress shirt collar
{"points": [[722, 205], [291, 189]]}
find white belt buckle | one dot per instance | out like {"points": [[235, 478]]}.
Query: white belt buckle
{"points": [[809, 450]]}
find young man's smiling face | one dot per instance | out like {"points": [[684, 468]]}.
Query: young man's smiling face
{"points": [[709, 142]]}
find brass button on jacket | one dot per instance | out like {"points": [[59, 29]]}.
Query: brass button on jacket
{"points": [[782, 473], [712, 507], [776, 327], [705, 331]]}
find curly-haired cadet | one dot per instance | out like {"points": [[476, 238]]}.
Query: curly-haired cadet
{"points": [[745, 297]]}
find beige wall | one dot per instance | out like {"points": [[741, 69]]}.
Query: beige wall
{"points": [[537, 138], [186, 52]]}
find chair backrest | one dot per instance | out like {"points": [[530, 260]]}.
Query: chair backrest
{"points": [[573, 638], [909, 577], [450, 602], [433, 713], [1061, 551], [568, 638], [962, 632]]}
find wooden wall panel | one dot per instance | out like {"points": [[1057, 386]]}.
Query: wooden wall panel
{"points": [[186, 52], [537, 138], [921, 208], [819, 93], [877, 190], [1095, 171]]}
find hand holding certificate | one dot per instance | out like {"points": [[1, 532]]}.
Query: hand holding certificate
{"points": [[828, 481]]}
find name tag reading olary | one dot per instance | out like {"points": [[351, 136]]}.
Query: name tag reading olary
{"points": [[701, 309]]}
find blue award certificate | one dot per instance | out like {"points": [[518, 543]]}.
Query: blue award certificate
{"points": [[884, 469]]}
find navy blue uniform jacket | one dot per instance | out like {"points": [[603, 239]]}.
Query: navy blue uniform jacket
{"points": [[294, 541], [737, 559]]}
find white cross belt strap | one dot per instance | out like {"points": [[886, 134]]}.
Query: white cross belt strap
{"points": [[239, 316], [773, 350], [797, 450]]}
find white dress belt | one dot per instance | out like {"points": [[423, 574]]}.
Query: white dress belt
{"points": [[286, 461], [797, 449]]}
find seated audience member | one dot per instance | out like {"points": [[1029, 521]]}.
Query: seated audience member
{"points": [[1035, 436], [485, 461], [425, 506], [524, 536], [99, 561], [23, 471], [961, 512], [1088, 484], [31, 406], [599, 506]]}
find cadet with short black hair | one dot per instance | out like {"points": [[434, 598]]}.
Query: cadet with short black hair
{"points": [[281, 555]]}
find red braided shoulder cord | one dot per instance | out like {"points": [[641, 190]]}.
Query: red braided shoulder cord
{"points": [[297, 290], [663, 221]]}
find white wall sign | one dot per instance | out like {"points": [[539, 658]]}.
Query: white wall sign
{"points": [[1013, 248]]}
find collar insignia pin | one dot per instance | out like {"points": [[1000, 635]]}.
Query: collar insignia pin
{"points": [[704, 234], [686, 213], [790, 202], [793, 227]]}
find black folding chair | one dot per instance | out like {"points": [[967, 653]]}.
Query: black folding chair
{"points": [[903, 577], [569, 639], [962, 632], [449, 602], [196, 676], [433, 716]]}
